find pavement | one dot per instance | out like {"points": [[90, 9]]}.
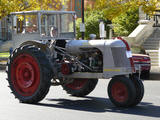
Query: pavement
{"points": [[58, 105]]}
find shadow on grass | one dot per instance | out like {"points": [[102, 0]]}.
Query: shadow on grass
{"points": [[95, 104]]}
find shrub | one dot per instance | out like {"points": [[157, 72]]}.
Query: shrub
{"points": [[91, 23], [126, 22]]}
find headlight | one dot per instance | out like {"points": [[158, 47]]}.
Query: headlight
{"points": [[129, 54]]}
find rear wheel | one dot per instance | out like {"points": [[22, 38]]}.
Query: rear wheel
{"points": [[28, 74], [80, 87], [121, 91]]}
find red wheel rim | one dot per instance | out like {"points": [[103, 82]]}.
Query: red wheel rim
{"points": [[25, 74], [119, 92], [77, 84], [65, 69]]}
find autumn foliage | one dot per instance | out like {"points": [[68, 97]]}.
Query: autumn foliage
{"points": [[113, 8], [7, 6]]}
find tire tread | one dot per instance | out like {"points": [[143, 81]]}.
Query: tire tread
{"points": [[45, 81]]}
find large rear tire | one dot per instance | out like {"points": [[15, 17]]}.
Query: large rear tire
{"points": [[80, 87], [121, 91], [29, 75]]}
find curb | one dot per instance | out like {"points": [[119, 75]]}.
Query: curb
{"points": [[3, 62], [154, 76], [155, 73], [2, 67]]}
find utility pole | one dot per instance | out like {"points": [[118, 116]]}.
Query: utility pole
{"points": [[83, 17]]}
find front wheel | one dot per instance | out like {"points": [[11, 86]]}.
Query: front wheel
{"points": [[80, 87], [121, 91], [139, 89]]}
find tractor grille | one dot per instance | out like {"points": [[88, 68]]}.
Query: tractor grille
{"points": [[119, 57]]}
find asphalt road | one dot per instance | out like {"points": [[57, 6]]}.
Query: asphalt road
{"points": [[59, 106]]}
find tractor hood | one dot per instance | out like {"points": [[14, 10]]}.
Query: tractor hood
{"points": [[75, 46]]}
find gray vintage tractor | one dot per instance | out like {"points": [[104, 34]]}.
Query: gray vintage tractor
{"points": [[45, 53]]}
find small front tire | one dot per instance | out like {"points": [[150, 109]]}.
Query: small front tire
{"points": [[121, 91], [139, 89]]}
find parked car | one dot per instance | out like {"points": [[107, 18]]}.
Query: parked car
{"points": [[142, 62], [142, 65]]}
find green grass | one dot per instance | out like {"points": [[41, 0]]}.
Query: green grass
{"points": [[4, 55]]}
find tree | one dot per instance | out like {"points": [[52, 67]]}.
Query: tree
{"points": [[125, 23], [113, 8], [7, 6], [92, 18]]}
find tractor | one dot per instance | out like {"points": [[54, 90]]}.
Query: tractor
{"points": [[46, 53]]}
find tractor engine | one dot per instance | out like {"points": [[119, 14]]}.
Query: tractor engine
{"points": [[88, 56], [86, 60]]}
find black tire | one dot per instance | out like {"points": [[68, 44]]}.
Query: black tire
{"points": [[121, 91], [29, 74], [139, 90], [80, 87], [145, 74]]}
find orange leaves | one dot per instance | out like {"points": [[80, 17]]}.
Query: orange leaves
{"points": [[7, 6], [113, 8]]}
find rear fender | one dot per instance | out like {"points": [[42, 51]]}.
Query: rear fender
{"points": [[42, 46]]}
